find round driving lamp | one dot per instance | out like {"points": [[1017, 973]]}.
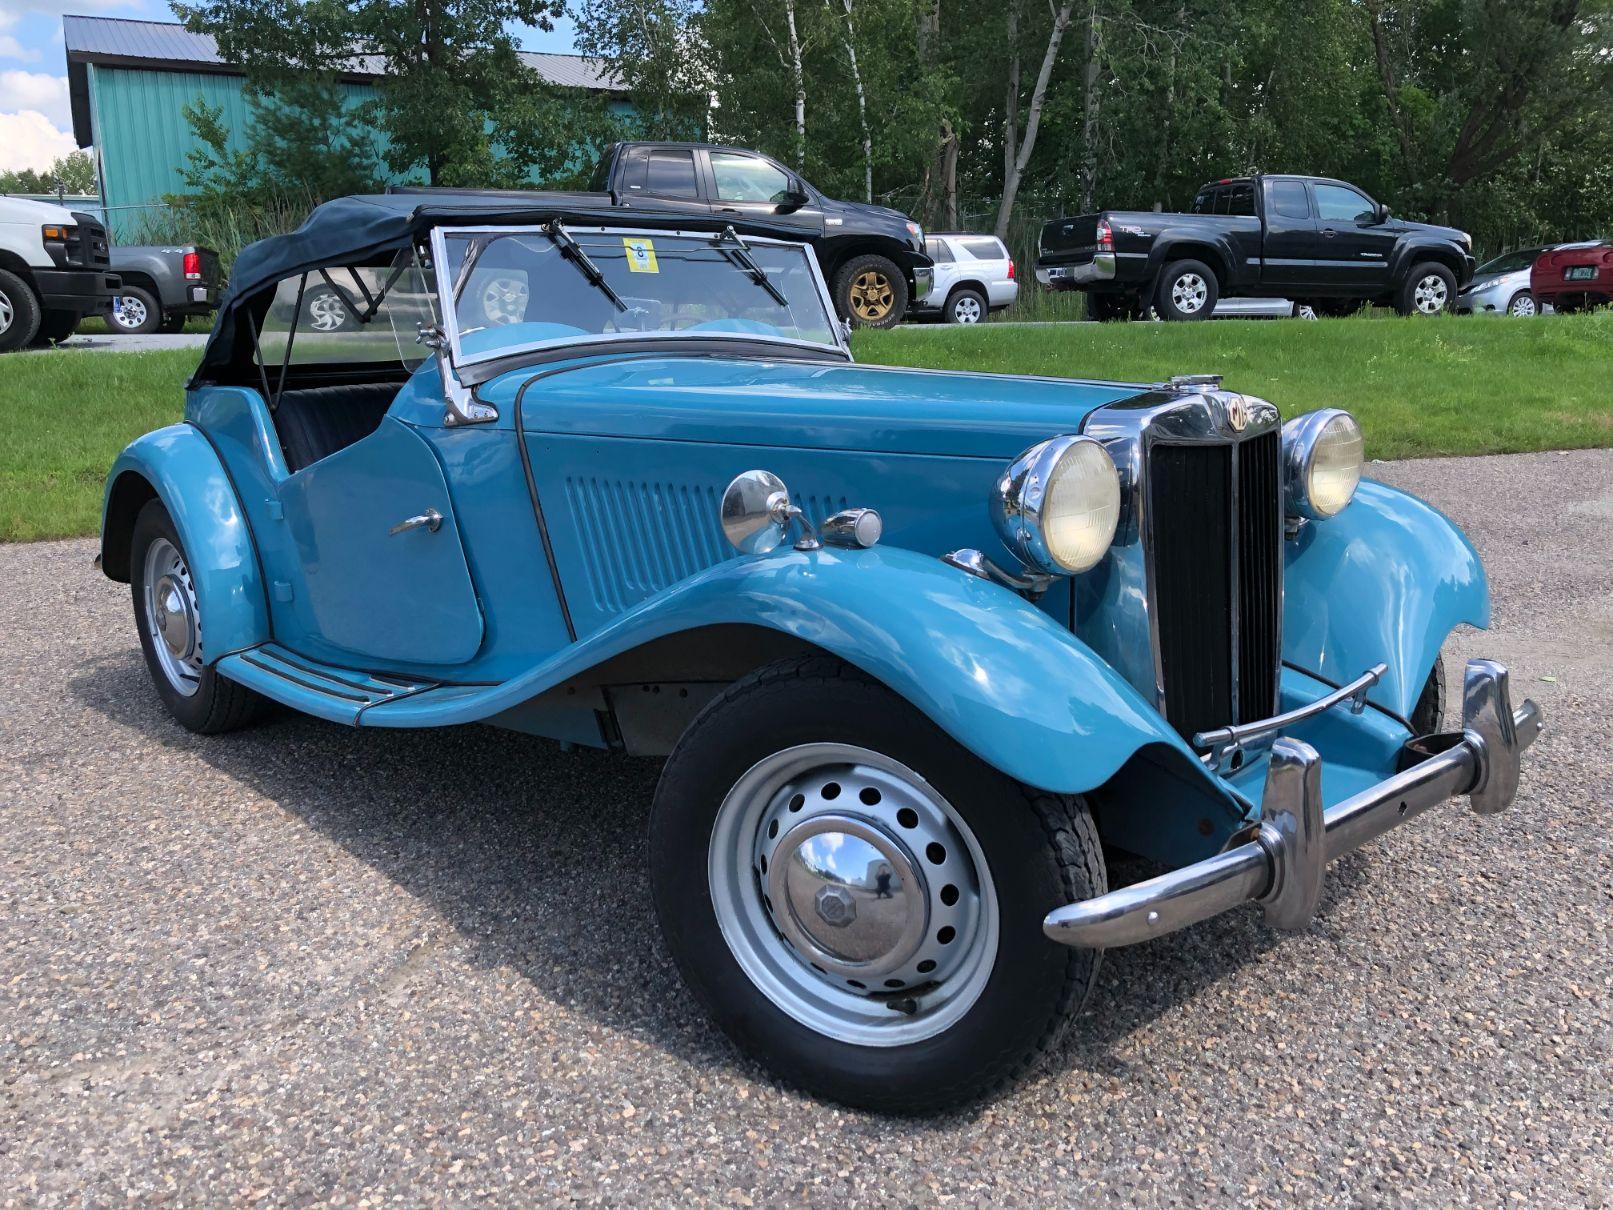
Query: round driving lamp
{"points": [[1322, 460], [1057, 504]]}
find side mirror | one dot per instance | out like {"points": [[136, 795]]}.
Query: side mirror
{"points": [[792, 199], [1380, 214]]}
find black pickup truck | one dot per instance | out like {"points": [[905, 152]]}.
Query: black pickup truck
{"points": [[1321, 242], [873, 258]]}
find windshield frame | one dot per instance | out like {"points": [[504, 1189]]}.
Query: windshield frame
{"points": [[605, 341]]}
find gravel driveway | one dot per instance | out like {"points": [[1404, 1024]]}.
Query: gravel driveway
{"points": [[303, 961]]}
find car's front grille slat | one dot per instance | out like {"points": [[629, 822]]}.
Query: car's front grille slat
{"points": [[1216, 578]]}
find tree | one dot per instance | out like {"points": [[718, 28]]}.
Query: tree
{"points": [[71, 173], [1025, 144], [655, 48]]}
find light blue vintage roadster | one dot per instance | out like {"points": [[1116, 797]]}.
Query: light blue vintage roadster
{"points": [[917, 645]]}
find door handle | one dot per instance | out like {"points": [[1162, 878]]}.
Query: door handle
{"points": [[1328, 232], [727, 210], [430, 520]]}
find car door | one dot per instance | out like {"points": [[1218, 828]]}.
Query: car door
{"points": [[746, 186], [1354, 246], [946, 270], [666, 178], [1289, 253]]}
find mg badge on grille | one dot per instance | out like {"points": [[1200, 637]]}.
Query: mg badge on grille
{"points": [[1237, 413]]}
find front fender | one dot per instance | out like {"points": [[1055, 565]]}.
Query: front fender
{"points": [[179, 466], [1386, 580], [998, 675]]}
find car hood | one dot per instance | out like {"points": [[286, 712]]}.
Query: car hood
{"points": [[802, 404], [1495, 279], [26, 210]]}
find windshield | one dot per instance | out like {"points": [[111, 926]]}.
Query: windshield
{"points": [[511, 289], [1510, 263]]}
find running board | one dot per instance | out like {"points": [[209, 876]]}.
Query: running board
{"points": [[341, 695]]}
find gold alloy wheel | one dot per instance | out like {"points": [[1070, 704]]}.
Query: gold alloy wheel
{"points": [[872, 296]]}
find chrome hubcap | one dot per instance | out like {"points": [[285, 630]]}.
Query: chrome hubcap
{"points": [[129, 311], [1523, 307], [7, 313], [504, 300], [853, 895], [171, 616], [1431, 294], [326, 313], [967, 310], [1189, 293]]}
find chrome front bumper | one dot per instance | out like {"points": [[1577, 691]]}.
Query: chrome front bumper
{"points": [[1281, 868]]}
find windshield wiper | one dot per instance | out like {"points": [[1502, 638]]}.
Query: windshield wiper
{"points": [[571, 250], [737, 251]]}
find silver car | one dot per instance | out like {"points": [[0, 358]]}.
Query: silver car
{"points": [[1501, 286], [974, 275]]}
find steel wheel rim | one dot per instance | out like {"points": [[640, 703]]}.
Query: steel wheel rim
{"points": [[920, 936], [966, 310], [1431, 294], [1189, 293], [326, 312], [871, 295], [504, 300], [7, 313], [172, 617], [1523, 307], [129, 311]]}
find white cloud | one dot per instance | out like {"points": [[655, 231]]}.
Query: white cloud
{"points": [[29, 140], [10, 48], [37, 91]]}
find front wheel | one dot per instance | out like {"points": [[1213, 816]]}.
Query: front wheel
{"points": [[167, 612], [857, 900], [1188, 289], [1523, 306], [871, 290], [1429, 289], [19, 312]]}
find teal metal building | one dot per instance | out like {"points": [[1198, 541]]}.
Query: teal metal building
{"points": [[129, 81]]}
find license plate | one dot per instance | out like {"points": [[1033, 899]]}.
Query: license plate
{"points": [[1580, 273]]}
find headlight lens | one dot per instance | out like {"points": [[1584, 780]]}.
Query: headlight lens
{"points": [[1322, 451], [1057, 505]]}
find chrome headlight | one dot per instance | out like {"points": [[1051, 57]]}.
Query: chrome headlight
{"points": [[1322, 462], [1057, 504]]}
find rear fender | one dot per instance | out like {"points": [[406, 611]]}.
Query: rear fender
{"points": [[178, 466], [994, 672], [1384, 581], [1217, 251]]}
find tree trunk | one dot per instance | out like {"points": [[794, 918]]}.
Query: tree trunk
{"points": [[800, 87], [949, 175], [1033, 120], [1391, 90], [850, 40], [1089, 111], [1011, 97]]}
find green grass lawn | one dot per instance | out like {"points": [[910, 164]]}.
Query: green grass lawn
{"points": [[96, 325], [1462, 385], [1458, 386]]}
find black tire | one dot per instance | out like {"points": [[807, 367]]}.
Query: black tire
{"points": [[55, 327], [1428, 715], [1429, 289], [217, 704], [172, 324], [871, 291], [1043, 847], [1188, 290], [1110, 308], [1522, 306], [966, 306], [19, 313], [134, 311]]}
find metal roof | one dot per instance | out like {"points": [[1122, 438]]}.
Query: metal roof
{"points": [[169, 45]]}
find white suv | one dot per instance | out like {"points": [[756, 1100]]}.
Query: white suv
{"points": [[974, 275]]}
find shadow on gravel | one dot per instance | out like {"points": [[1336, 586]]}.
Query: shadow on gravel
{"points": [[537, 857]]}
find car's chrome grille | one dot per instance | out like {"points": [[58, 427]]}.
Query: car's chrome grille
{"points": [[1216, 568]]}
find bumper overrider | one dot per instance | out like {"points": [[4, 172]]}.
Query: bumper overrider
{"points": [[1281, 868]]}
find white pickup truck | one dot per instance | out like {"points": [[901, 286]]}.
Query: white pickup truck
{"points": [[53, 272]]}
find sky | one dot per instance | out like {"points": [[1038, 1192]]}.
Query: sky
{"points": [[35, 123]]}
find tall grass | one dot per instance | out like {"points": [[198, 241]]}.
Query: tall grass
{"points": [[225, 225]]}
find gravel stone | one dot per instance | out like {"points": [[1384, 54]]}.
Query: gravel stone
{"points": [[305, 963]]}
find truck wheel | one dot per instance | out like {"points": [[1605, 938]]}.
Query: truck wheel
{"points": [[19, 312], [1523, 306], [54, 327], [172, 324], [872, 291], [1187, 290], [168, 617], [966, 307], [134, 311], [1109, 308], [1429, 289], [858, 901]]}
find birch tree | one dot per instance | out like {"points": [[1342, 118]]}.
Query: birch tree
{"points": [[848, 39], [1015, 171]]}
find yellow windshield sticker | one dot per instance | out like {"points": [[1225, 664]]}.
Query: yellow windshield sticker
{"points": [[640, 255]]}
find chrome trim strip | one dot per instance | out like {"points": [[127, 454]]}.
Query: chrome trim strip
{"points": [[1282, 867], [1227, 740]]}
